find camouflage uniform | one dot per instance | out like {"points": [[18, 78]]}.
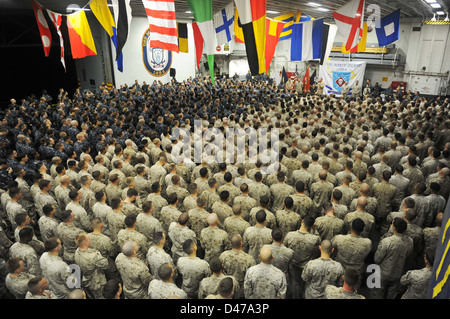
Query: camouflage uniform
{"points": [[214, 241], [254, 238], [319, 273], [209, 285], [210, 197], [233, 190], [417, 282], [182, 193], [62, 195], [270, 222], [148, 226], [287, 220], [223, 210], [169, 214], [192, 270], [131, 209], [391, 256], [306, 248], [247, 203], [431, 235], [18, 286], [235, 225], [401, 183], [156, 257], [116, 222], [158, 202], [178, 235], [282, 257], [81, 220], [320, 193], [279, 192], [56, 271], [368, 219], [371, 206], [29, 256], [125, 235], [43, 199], [100, 210], [351, 250], [68, 234], [236, 263], [422, 209], [12, 210], [113, 191], [158, 289], [107, 249], [329, 226], [87, 200], [257, 190], [302, 204], [135, 276], [29, 295], [189, 203], [348, 194], [264, 281], [333, 292], [93, 266]]}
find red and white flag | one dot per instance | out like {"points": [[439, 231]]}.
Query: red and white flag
{"points": [[57, 20], [163, 24], [46, 35], [349, 20]]}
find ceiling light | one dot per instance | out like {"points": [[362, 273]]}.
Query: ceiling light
{"points": [[440, 13], [430, 1], [187, 11], [322, 9], [314, 4], [435, 5], [272, 12]]}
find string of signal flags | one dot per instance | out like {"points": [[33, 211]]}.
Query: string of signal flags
{"points": [[245, 21]]}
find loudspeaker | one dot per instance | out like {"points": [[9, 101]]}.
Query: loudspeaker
{"points": [[173, 72]]}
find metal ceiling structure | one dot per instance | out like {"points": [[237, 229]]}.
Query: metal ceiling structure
{"points": [[315, 8]]}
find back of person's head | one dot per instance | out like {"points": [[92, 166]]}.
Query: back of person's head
{"points": [[13, 264], [34, 284], [115, 202], [26, 233], [183, 218], [51, 243], [261, 216], [264, 201], [172, 198], [410, 202], [130, 220], [410, 214], [111, 288], [326, 246], [227, 177], [351, 277], [215, 264], [300, 186], [308, 221], [188, 246], [224, 195], [225, 287], [358, 225], [400, 225], [236, 241], [337, 194], [165, 271], [20, 218], [289, 202], [277, 235], [128, 248]]}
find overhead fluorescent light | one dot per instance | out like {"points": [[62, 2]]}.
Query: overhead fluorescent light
{"points": [[430, 1], [323, 9], [435, 5], [187, 11], [272, 12], [314, 4], [440, 13]]}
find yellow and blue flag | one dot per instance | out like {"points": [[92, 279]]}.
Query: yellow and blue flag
{"points": [[289, 20], [440, 284]]}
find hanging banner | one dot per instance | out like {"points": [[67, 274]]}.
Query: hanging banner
{"points": [[336, 73]]}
